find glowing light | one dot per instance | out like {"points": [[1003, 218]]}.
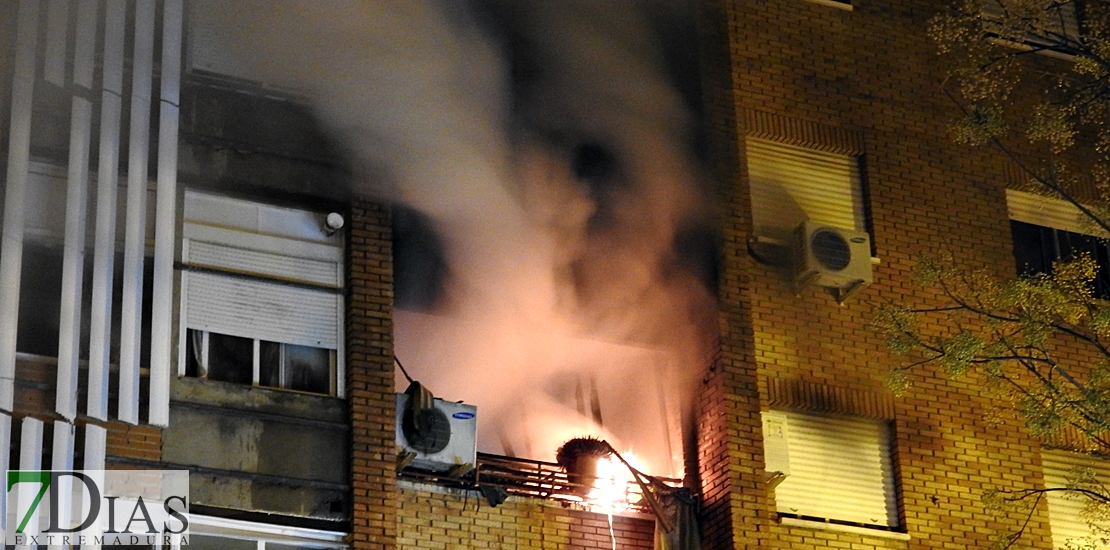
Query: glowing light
{"points": [[611, 491]]}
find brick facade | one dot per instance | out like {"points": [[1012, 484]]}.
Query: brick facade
{"points": [[370, 375], [432, 518], [128, 445], [864, 82]]}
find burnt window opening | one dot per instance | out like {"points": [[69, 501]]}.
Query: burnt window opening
{"points": [[1037, 247]]}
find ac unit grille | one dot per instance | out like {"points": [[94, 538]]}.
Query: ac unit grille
{"points": [[830, 249], [434, 433], [447, 438]]}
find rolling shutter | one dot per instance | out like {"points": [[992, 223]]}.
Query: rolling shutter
{"points": [[250, 254], [1063, 508], [1048, 212], [278, 266], [1061, 20], [792, 184], [840, 469], [264, 310]]}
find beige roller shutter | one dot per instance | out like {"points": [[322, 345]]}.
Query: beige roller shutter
{"points": [[839, 469], [790, 185], [261, 272], [1048, 212], [1064, 508]]}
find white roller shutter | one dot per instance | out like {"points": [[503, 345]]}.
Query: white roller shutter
{"points": [[258, 309], [278, 266], [792, 184], [1064, 508], [254, 260], [840, 469]]}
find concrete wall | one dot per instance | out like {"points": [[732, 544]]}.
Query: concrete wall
{"points": [[260, 450]]}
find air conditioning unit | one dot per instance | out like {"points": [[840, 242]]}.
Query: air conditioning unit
{"points": [[832, 257], [446, 439]]}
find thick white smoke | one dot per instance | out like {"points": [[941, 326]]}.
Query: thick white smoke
{"points": [[550, 151]]}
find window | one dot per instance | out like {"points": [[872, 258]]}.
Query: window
{"points": [[1056, 24], [207, 532], [790, 185], [261, 300], [1036, 247], [42, 269], [838, 470], [1048, 230], [258, 362], [1065, 509]]}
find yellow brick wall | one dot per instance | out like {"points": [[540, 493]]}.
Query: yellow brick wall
{"points": [[370, 377], [866, 82], [436, 519]]}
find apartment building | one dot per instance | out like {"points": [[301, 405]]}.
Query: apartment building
{"points": [[192, 279]]}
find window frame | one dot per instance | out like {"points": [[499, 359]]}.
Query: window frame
{"points": [[1071, 27], [266, 533], [304, 238], [782, 442], [202, 358], [1056, 215], [1063, 517]]}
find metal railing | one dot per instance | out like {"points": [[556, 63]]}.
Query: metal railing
{"points": [[530, 478]]}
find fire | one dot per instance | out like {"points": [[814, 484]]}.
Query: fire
{"points": [[610, 492], [613, 489], [600, 476]]}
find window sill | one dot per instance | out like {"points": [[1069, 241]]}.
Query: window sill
{"points": [[258, 400], [877, 533], [832, 4], [1028, 47]]}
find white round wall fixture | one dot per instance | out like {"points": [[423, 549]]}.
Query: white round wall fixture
{"points": [[334, 221]]}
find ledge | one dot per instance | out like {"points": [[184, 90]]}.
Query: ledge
{"points": [[832, 4], [254, 400], [877, 533]]}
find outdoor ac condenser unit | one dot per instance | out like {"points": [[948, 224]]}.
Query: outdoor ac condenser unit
{"points": [[832, 257], [444, 438]]}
